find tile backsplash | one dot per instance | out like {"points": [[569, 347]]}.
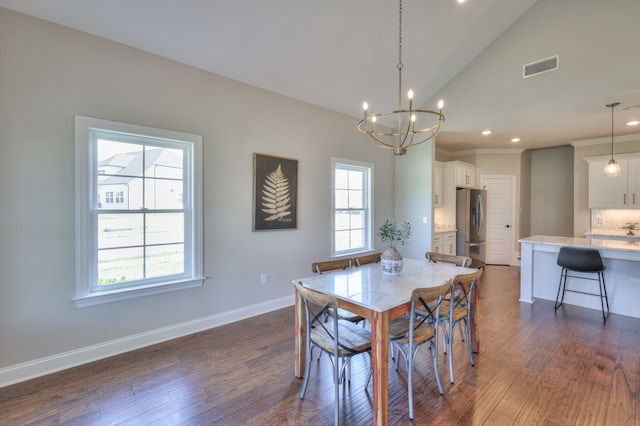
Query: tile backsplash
{"points": [[614, 222]]}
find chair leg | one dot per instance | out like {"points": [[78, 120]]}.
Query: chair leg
{"points": [[336, 388], [410, 357], [435, 364], [450, 354], [466, 330], [307, 370], [370, 370]]}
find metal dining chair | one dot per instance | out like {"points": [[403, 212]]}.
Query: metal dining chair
{"points": [[456, 309], [369, 258], [463, 261], [332, 265], [339, 339], [408, 332]]}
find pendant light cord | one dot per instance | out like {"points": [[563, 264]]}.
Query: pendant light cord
{"points": [[612, 106]]}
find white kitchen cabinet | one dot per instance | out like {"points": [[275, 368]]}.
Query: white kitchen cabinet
{"points": [[465, 174], [614, 191], [436, 246], [449, 243], [444, 242], [437, 185], [634, 183]]}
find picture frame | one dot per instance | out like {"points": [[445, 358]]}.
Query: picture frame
{"points": [[275, 193]]}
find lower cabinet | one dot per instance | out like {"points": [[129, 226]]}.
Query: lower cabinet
{"points": [[449, 243], [437, 243], [444, 242]]}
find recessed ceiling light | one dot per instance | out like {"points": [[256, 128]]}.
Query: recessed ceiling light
{"points": [[461, 1], [633, 123], [486, 132], [515, 140]]}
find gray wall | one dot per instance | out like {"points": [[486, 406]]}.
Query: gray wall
{"points": [[50, 73], [413, 197], [525, 194], [551, 202]]}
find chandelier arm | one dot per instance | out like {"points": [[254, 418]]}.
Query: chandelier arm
{"points": [[406, 134], [382, 143]]}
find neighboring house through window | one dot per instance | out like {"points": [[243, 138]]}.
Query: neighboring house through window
{"points": [[144, 233], [352, 201]]}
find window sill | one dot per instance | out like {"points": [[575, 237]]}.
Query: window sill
{"points": [[97, 298]]}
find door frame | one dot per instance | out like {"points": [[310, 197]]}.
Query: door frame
{"points": [[513, 255]]}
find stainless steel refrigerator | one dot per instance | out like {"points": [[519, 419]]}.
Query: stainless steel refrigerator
{"points": [[471, 232]]}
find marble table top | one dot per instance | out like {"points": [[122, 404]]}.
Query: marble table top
{"points": [[367, 286]]}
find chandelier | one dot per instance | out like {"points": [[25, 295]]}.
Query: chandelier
{"points": [[613, 167], [402, 128]]}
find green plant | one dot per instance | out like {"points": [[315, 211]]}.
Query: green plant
{"points": [[391, 233]]}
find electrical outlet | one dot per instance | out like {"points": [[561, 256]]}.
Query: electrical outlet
{"points": [[263, 278]]}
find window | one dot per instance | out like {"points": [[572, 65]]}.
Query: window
{"points": [[143, 233], [352, 200]]}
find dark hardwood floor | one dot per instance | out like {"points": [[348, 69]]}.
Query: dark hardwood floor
{"points": [[536, 367]]}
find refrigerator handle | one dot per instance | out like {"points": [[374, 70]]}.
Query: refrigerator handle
{"points": [[479, 213]]}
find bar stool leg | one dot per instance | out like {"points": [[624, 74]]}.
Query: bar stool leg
{"points": [[603, 299], [561, 286]]}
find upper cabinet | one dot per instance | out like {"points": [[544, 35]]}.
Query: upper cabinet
{"points": [[614, 192], [465, 174], [437, 185]]}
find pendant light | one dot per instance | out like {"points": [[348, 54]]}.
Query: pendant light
{"points": [[613, 167]]}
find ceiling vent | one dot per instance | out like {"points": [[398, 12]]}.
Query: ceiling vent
{"points": [[543, 65]]}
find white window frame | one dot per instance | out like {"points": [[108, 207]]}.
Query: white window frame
{"points": [[87, 293], [368, 203]]}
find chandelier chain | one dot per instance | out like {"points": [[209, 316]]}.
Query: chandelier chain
{"points": [[400, 38]]}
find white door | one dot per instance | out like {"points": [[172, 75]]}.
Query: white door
{"points": [[500, 218]]}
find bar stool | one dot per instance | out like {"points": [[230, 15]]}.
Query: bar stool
{"points": [[584, 261]]}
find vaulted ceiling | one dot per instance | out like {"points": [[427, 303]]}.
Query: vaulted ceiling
{"points": [[337, 54]]}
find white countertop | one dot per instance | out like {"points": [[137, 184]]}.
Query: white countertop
{"points": [[443, 230], [610, 244], [613, 237]]}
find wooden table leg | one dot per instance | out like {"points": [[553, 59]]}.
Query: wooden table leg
{"points": [[300, 339], [380, 364], [473, 321]]}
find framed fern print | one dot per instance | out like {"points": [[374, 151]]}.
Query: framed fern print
{"points": [[275, 193]]}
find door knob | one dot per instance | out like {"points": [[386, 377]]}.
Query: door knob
{"points": [[508, 226]]}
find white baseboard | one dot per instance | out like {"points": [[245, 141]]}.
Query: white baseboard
{"points": [[51, 364]]}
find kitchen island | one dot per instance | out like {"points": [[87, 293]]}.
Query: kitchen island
{"points": [[540, 274]]}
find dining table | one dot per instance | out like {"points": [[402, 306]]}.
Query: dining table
{"points": [[368, 292]]}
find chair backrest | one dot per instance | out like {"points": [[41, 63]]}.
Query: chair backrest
{"points": [[579, 259], [320, 299], [330, 265], [463, 287], [448, 258], [370, 258], [423, 296]]}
